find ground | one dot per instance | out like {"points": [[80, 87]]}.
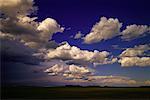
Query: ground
{"points": [[75, 93]]}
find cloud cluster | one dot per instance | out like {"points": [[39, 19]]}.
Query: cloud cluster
{"points": [[68, 71], [14, 8], [29, 31], [135, 61], [22, 36], [67, 52], [103, 30], [108, 28], [16, 22], [84, 74], [74, 61], [147, 82], [136, 51], [136, 56], [112, 80], [134, 31]]}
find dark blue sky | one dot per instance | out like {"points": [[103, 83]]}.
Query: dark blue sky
{"points": [[81, 15]]}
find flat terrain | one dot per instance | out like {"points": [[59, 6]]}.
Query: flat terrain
{"points": [[75, 93]]}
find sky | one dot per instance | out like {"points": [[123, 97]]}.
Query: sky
{"points": [[76, 42]]}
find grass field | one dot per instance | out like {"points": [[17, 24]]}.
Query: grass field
{"points": [[75, 93]]}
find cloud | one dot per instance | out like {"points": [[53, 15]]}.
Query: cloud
{"points": [[108, 28], [14, 8], [147, 82], [24, 41], [17, 22], [136, 51], [135, 61], [103, 30], [134, 31], [83, 74], [19, 27], [67, 52], [27, 30], [78, 35], [136, 56], [68, 71], [13, 50], [110, 61], [49, 26], [22, 36], [112, 80]]}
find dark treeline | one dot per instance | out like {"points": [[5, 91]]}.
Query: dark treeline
{"points": [[77, 86]]}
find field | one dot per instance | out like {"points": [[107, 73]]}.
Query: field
{"points": [[75, 93]]}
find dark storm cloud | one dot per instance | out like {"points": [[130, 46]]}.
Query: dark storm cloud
{"points": [[17, 52]]}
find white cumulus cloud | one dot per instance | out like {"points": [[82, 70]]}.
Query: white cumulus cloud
{"points": [[136, 51], [67, 52], [134, 31], [147, 82], [49, 26], [68, 71], [136, 56], [135, 61], [112, 80], [103, 30]]}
